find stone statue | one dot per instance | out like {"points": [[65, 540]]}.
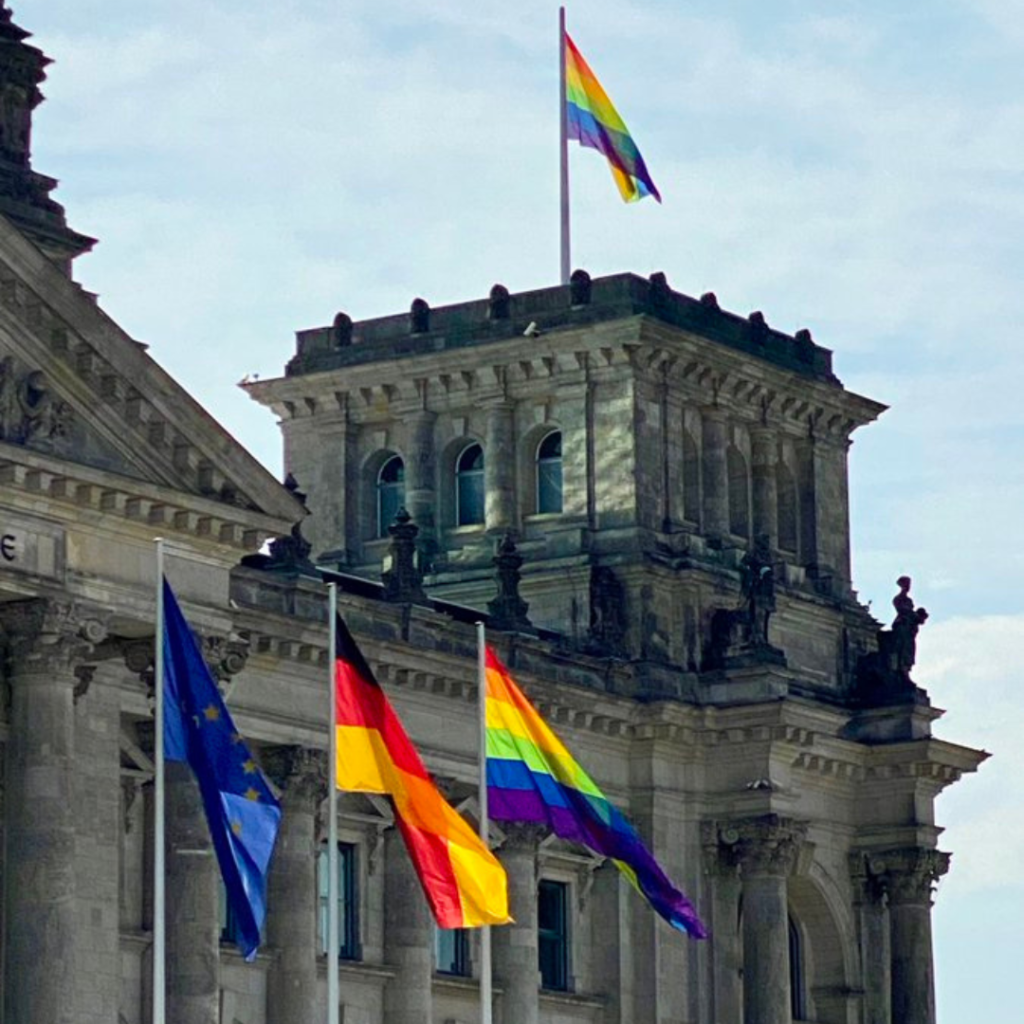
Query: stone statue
{"points": [[904, 628], [757, 581]]}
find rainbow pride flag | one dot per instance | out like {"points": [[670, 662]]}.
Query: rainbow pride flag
{"points": [[593, 121], [532, 777]]}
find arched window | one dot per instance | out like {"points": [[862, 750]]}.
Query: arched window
{"points": [[739, 501], [469, 486], [549, 473], [798, 1004], [691, 479], [786, 488], [390, 493]]}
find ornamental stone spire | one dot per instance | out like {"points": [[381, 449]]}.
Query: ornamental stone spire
{"points": [[25, 194]]}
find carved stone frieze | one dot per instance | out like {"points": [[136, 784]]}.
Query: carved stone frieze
{"points": [[766, 845], [30, 414]]}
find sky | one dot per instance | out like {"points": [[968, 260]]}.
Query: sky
{"points": [[252, 167]]}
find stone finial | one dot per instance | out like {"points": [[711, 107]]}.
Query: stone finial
{"points": [[804, 345], [758, 326], [419, 317], [709, 299], [659, 292], [341, 330], [403, 581], [580, 286], [508, 610], [500, 303]]}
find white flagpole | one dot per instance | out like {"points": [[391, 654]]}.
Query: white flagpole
{"points": [[159, 899], [333, 1008], [563, 120], [486, 998]]}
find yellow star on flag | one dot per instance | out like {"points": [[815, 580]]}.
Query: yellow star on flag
{"points": [[249, 767], [236, 827], [252, 794], [212, 713]]}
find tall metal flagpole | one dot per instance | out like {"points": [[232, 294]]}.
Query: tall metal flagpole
{"points": [[333, 944], [563, 117], [486, 998], [159, 898]]}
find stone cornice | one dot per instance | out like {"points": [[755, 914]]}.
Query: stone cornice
{"points": [[79, 488]]}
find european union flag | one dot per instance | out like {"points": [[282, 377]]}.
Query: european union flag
{"points": [[242, 812]]}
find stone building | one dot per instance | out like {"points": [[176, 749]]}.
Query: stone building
{"points": [[646, 498]]}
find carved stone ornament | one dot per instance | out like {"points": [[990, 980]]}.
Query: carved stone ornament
{"points": [[508, 610], [30, 414], [523, 836], [908, 875], [402, 578], [49, 636], [300, 772], [766, 845], [607, 613], [226, 656]]}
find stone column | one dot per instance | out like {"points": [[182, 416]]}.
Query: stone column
{"points": [[45, 640], [292, 887], [873, 926], [726, 953], [515, 946], [408, 938], [420, 475], [908, 876], [193, 925], [764, 455], [766, 849], [715, 472], [500, 469]]}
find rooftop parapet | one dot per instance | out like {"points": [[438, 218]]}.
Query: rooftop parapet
{"points": [[584, 301]]}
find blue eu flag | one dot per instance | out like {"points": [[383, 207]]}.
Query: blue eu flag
{"points": [[242, 812]]}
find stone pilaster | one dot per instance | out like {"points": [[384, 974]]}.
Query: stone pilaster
{"points": [[192, 921], [515, 947], [408, 938], [420, 472], [722, 868], [908, 877], [715, 472], [766, 850], [46, 640], [764, 455], [872, 915], [500, 469], [292, 887]]}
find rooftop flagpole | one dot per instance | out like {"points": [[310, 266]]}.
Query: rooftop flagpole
{"points": [[486, 997], [159, 890], [333, 943], [563, 120]]}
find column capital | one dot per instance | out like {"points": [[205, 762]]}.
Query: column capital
{"points": [[907, 875], [765, 845], [299, 771], [48, 636], [522, 836]]}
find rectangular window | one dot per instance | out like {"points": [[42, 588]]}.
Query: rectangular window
{"points": [[451, 951], [348, 901], [553, 934]]}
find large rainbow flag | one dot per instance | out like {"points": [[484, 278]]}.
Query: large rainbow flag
{"points": [[464, 884], [532, 777], [593, 121]]}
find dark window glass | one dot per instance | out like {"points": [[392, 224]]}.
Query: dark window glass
{"points": [[798, 1006], [451, 951], [553, 934], [549, 473], [348, 901], [390, 493], [469, 487]]}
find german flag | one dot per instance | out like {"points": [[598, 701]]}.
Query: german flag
{"points": [[463, 881]]}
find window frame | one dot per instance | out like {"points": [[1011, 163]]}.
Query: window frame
{"points": [[560, 935], [349, 947], [396, 486], [460, 961], [470, 475], [540, 463]]}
